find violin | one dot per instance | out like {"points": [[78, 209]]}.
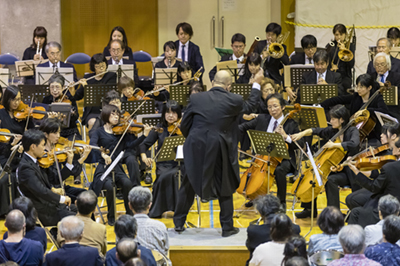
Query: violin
{"points": [[174, 129], [47, 159], [79, 144], [374, 163], [138, 95], [6, 135], [23, 111]]}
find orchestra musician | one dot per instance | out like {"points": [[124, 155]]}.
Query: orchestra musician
{"points": [[309, 45], [118, 33], [252, 66], [39, 38], [185, 73], [349, 142], [393, 34], [169, 56], [383, 45]]}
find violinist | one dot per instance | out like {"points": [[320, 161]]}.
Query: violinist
{"points": [[165, 188], [349, 142], [252, 66], [104, 137], [272, 123], [56, 93], [366, 86], [51, 129]]}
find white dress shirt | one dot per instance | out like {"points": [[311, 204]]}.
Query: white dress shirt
{"points": [[121, 62], [323, 75], [271, 126], [306, 57], [240, 58]]}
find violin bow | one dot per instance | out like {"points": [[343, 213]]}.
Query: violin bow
{"points": [[30, 107], [170, 134]]}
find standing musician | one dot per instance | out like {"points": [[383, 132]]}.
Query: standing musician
{"points": [[165, 188], [393, 34], [349, 141], [105, 137], [383, 45], [118, 33], [272, 66], [238, 44], [38, 43], [210, 126], [252, 66], [337, 65], [272, 123], [309, 45], [366, 86]]}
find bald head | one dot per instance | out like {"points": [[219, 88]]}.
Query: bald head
{"points": [[222, 79], [126, 249], [15, 221]]}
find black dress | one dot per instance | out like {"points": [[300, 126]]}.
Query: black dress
{"points": [[165, 188]]}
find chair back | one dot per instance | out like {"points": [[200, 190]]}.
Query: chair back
{"points": [[141, 56], [324, 257], [78, 58], [161, 259], [8, 59]]}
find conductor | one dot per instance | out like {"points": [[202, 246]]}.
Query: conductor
{"points": [[210, 125]]}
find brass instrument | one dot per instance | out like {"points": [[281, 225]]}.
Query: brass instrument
{"points": [[276, 50], [345, 54]]}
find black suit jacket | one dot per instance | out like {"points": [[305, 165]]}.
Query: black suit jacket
{"points": [[395, 66], [129, 62], [195, 59], [62, 65], [330, 78], [298, 58], [74, 254], [210, 125], [394, 79]]}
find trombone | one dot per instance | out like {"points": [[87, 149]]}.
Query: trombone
{"points": [[345, 54], [275, 50]]}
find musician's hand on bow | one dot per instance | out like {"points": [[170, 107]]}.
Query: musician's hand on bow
{"points": [[352, 166], [147, 161], [70, 156], [297, 136], [17, 138], [83, 82], [281, 131], [146, 130], [106, 158]]}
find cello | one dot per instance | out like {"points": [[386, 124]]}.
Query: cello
{"points": [[254, 182]]}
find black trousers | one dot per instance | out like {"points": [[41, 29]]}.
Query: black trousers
{"points": [[358, 198], [281, 171], [133, 167], [125, 184], [364, 216]]}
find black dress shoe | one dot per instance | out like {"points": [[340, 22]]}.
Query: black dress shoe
{"points": [[234, 231], [179, 229], [306, 213], [148, 180], [249, 204], [77, 180], [119, 195], [282, 208], [111, 221]]}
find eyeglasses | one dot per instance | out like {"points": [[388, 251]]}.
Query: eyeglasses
{"points": [[100, 66], [237, 46], [55, 87], [116, 50]]}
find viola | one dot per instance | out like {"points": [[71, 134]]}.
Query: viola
{"points": [[6, 135], [23, 111]]}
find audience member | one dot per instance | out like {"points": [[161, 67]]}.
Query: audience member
{"points": [[330, 221], [127, 249], [94, 234], [387, 253], [16, 248], [295, 247], [151, 233], [297, 261], [126, 228], [72, 253], [9, 263], [387, 205], [352, 239], [271, 253]]}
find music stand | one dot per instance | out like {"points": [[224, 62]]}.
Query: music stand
{"points": [[7, 169], [309, 116], [147, 108], [317, 93], [94, 93], [294, 74], [224, 51], [236, 69], [242, 89], [39, 91], [4, 76], [63, 108], [27, 67], [385, 118], [168, 150], [271, 144], [43, 74], [165, 76], [390, 96], [180, 93], [123, 70], [151, 119]]}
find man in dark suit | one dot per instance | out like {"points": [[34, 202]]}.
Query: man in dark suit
{"points": [[210, 125], [309, 45], [387, 182], [71, 229], [34, 184], [238, 44], [272, 65], [272, 123], [185, 49], [383, 46]]}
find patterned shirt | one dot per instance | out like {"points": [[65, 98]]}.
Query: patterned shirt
{"points": [[323, 242], [152, 234], [384, 253], [354, 260]]}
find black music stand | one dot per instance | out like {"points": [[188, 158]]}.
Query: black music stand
{"points": [[147, 108], [309, 116], [94, 93], [7, 169], [150, 119], [180, 93], [63, 108], [39, 92], [242, 89], [390, 96], [317, 93], [122, 70], [294, 74], [165, 76]]}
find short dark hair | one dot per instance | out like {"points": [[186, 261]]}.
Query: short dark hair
{"points": [[50, 125], [391, 228], [32, 136], [174, 107], [169, 44], [57, 78], [126, 249], [321, 56], [238, 37], [10, 93], [267, 205], [394, 128], [125, 226], [295, 246], [308, 41], [254, 59], [97, 59], [274, 27], [125, 82], [276, 96], [124, 39], [393, 33], [186, 27], [86, 202], [388, 205], [340, 28], [140, 199], [15, 221], [25, 205], [340, 111], [196, 87], [121, 43], [184, 66], [281, 227], [367, 80], [297, 261], [330, 220], [39, 31], [106, 111], [111, 96]]}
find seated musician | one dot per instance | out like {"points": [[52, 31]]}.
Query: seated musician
{"points": [[185, 73], [34, 184], [383, 45], [56, 85], [98, 65], [337, 65], [117, 50], [165, 188], [348, 141], [169, 60], [272, 123], [272, 66], [387, 182], [309, 45], [118, 33], [105, 137], [186, 49], [252, 66], [393, 34], [73, 166], [366, 87], [238, 44]]}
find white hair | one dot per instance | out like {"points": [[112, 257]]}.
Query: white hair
{"points": [[352, 239], [387, 58], [52, 44], [71, 227]]}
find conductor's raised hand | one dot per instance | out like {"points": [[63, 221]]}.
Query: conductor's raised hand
{"points": [[259, 76]]}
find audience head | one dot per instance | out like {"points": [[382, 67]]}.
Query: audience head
{"points": [[98, 63], [25, 205], [110, 114], [393, 35], [352, 239], [33, 141], [388, 205], [140, 199], [238, 43], [39, 35], [383, 45], [118, 33], [321, 61], [281, 228], [339, 31], [295, 247], [267, 205], [127, 249], [135, 262], [11, 98], [330, 220], [53, 52], [297, 261], [112, 97], [184, 32], [125, 227], [391, 228], [71, 228], [86, 202], [309, 45], [222, 79], [339, 116], [171, 113], [273, 30], [15, 221]]}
